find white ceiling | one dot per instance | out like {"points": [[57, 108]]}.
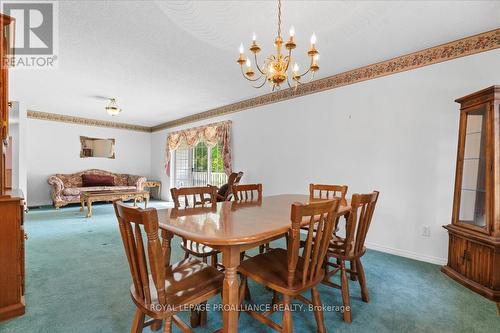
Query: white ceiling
{"points": [[164, 60]]}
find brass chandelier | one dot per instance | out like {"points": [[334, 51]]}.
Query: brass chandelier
{"points": [[276, 66]]}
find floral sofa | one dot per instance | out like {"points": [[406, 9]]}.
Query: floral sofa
{"points": [[66, 188]]}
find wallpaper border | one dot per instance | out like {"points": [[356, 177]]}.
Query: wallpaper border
{"points": [[85, 121]]}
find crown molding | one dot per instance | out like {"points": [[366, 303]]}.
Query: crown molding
{"points": [[482, 42], [86, 121]]}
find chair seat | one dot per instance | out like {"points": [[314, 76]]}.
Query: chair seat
{"points": [[271, 269], [187, 282], [197, 249], [336, 249], [308, 219]]}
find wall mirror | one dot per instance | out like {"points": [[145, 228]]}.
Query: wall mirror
{"points": [[95, 147]]}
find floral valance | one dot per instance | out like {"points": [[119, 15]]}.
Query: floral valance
{"points": [[210, 134]]}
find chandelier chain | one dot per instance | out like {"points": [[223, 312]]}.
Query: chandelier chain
{"points": [[279, 18]]}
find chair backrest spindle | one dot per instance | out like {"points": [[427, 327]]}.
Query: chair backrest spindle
{"points": [[247, 192], [322, 191], [201, 196]]}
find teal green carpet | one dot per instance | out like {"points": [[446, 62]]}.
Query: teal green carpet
{"points": [[78, 280]]}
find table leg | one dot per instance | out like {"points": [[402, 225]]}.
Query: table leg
{"points": [[230, 301], [82, 202], [89, 208], [146, 201]]}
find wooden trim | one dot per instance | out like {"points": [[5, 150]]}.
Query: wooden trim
{"points": [[6, 19], [482, 42], [479, 43], [479, 97], [476, 236], [86, 121], [14, 310], [493, 295]]}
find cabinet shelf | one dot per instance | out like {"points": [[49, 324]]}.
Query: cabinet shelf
{"points": [[473, 190]]}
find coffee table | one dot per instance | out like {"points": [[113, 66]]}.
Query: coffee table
{"points": [[91, 196]]}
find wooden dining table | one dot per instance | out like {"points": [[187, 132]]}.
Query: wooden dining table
{"points": [[231, 228]]}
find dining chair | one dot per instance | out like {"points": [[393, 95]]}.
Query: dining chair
{"points": [[249, 193], [322, 191], [160, 290], [224, 193], [289, 273], [351, 248], [327, 191], [192, 197]]}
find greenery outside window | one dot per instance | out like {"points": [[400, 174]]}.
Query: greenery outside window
{"points": [[199, 166]]}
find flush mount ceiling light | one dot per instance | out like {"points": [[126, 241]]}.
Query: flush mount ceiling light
{"points": [[112, 109], [276, 66]]}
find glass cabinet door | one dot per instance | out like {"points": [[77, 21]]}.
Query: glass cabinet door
{"points": [[473, 185]]}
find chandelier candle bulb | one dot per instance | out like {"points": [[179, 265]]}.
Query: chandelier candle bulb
{"points": [[313, 39], [290, 44], [296, 76], [249, 71], [241, 59]]}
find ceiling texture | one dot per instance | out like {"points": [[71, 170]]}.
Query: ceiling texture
{"points": [[164, 60]]}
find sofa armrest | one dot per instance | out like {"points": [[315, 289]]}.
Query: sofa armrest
{"points": [[137, 181], [57, 188]]}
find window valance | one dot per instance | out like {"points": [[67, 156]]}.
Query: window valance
{"points": [[209, 134]]}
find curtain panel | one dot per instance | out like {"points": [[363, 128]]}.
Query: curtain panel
{"points": [[210, 134]]}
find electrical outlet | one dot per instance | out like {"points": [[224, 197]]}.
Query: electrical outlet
{"points": [[426, 231]]}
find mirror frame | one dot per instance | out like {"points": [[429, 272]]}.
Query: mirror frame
{"points": [[84, 138]]}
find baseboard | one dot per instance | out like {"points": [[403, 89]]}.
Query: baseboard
{"points": [[406, 254]]}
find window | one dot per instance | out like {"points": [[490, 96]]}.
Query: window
{"points": [[199, 166]]}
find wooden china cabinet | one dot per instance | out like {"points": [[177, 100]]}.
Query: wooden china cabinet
{"points": [[12, 234], [474, 232]]}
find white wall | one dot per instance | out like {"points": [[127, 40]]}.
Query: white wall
{"points": [[54, 147], [396, 134]]}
